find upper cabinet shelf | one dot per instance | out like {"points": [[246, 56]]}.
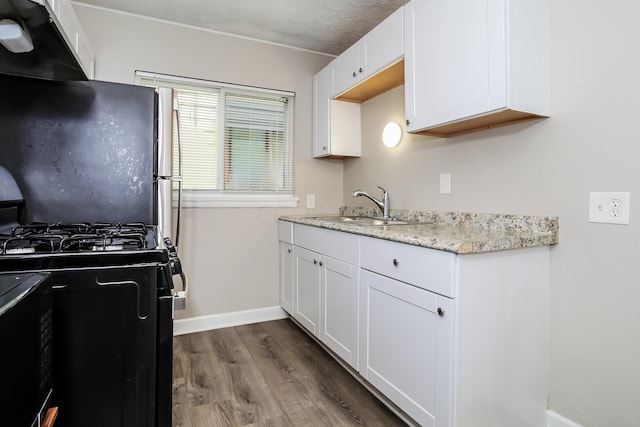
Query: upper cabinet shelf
{"points": [[475, 64]]}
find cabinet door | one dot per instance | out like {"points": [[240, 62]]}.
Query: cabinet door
{"points": [[407, 347], [321, 89], [347, 69], [449, 59], [286, 277], [339, 329], [307, 289], [383, 45]]}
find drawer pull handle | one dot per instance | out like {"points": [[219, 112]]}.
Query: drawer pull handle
{"points": [[396, 262], [440, 312]]}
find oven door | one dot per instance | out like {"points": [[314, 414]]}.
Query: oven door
{"points": [[105, 323]]}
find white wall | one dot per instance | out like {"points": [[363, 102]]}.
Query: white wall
{"points": [[548, 167], [230, 255]]}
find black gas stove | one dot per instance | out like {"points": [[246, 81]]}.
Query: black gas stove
{"points": [[82, 192], [112, 316]]}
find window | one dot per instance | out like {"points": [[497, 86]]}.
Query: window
{"points": [[236, 142]]}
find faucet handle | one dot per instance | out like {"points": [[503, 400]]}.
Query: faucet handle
{"points": [[383, 190]]}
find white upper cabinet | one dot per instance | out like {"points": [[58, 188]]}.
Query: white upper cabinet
{"points": [[371, 66], [63, 15], [321, 88], [377, 50], [348, 68], [474, 64], [336, 124]]}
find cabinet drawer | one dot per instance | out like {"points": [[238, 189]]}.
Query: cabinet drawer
{"points": [[336, 244], [285, 231], [426, 268]]}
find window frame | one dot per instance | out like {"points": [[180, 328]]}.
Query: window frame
{"points": [[226, 198]]}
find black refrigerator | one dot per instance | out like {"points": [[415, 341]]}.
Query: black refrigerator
{"points": [[87, 152], [81, 151]]}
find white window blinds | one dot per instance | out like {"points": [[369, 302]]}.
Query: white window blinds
{"points": [[256, 144], [234, 139], [196, 119]]}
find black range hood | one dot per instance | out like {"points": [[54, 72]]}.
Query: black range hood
{"points": [[51, 57]]}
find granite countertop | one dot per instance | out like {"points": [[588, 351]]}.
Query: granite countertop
{"points": [[460, 233]]}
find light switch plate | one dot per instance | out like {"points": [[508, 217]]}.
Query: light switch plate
{"points": [[609, 207], [445, 183]]}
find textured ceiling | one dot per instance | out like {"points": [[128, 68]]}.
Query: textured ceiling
{"points": [[327, 26]]}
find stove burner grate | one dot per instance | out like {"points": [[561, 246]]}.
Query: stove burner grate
{"points": [[76, 237]]}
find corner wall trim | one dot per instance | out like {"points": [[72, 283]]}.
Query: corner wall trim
{"points": [[556, 420], [225, 320]]}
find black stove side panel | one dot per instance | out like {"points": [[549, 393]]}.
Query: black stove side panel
{"points": [[80, 151]]}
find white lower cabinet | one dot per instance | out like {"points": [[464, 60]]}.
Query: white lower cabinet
{"points": [[286, 265], [326, 288], [407, 347], [451, 340], [286, 276], [306, 309], [339, 320]]}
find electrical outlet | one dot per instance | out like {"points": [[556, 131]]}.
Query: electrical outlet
{"points": [[311, 201], [610, 208]]}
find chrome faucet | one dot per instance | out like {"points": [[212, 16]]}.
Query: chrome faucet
{"points": [[382, 205]]}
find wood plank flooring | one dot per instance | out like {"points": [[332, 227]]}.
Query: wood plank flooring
{"points": [[267, 374]]}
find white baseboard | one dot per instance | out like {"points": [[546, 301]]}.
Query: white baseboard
{"points": [[225, 320], [556, 420]]}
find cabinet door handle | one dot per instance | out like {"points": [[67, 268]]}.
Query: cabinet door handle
{"points": [[321, 263], [289, 250], [396, 262], [360, 70], [315, 261], [408, 122], [440, 312], [354, 74], [324, 148]]}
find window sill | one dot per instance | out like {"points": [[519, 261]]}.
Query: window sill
{"points": [[217, 200]]}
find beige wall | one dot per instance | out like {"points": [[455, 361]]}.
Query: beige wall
{"points": [[548, 167], [230, 255]]}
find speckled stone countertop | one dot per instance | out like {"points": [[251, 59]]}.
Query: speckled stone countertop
{"points": [[460, 233]]}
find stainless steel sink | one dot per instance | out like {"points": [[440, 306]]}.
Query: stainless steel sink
{"points": [[362, 220]]}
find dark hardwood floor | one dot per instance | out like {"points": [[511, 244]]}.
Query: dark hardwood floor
{"points": [[266, 374]]}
